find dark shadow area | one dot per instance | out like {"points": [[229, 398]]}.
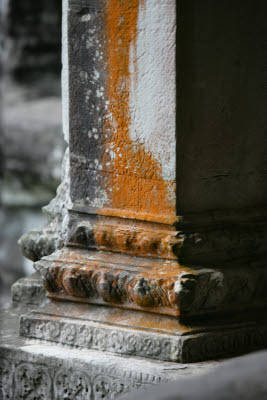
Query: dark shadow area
{"points": [[221, 103]]}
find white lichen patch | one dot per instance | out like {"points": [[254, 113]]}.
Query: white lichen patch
{"points": [[96, 75], [86, 18]]}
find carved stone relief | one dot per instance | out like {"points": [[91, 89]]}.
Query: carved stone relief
{"points": [[30, 381], [104, 338]]}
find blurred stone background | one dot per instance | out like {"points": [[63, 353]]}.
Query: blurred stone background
{"points": [[31, 140]]}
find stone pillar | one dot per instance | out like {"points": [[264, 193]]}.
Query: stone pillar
{"points": [[160, 260]]}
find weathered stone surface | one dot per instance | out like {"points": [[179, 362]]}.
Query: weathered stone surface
{"points": [[125, 244], [30, 368], [195, 285], [139, 334], [150, 284], [213, 238], [117, 152], [29, 290]]}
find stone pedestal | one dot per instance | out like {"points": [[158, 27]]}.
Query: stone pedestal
{"points": [[35, 369], [164, 254], [185, 276]]}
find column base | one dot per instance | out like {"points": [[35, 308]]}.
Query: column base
{"points": [[150, 307], [30, 369], [141, 334], [154, 285]]}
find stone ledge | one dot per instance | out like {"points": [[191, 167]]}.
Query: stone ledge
{"points": [[138, 334], [45, 370]]}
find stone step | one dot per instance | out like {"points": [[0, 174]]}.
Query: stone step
{"points": [[140, 334], [31, 368]]}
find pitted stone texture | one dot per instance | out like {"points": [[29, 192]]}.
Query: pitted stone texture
{"points": [[21, 380]]}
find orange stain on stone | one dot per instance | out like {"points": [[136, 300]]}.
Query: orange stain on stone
{"points": [[134, 180]]}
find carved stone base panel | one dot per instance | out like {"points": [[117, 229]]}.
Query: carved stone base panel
{"points": [[142, 335], [153, 285], [41, 380], [42, 370]]}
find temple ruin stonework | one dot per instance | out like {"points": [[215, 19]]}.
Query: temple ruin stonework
{"points": [[162, 260]]}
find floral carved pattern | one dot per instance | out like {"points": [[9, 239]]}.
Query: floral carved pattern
{"points": [[106, 388], [72, 385], [104, 339], [32, 381]]}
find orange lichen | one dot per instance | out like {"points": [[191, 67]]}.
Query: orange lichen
{"points": [[118, 280], [137, 241], [134, 180]]}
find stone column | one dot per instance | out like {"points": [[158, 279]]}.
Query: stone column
{"points": [[159, 261]]}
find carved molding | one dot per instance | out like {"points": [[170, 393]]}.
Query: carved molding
{"points": [[234, 341], [108, 278], [73, 385], [161, 347], [183, 346], [214, 243], [129, 240], [29, 380], [153, 285], [126, 238]]}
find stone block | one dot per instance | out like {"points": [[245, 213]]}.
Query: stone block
{"points": [[139, 334], [29, 290], [34, 369]]}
